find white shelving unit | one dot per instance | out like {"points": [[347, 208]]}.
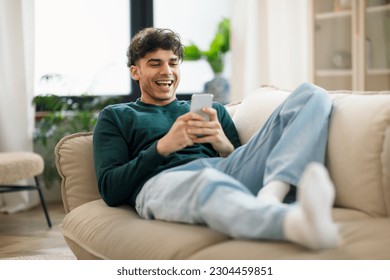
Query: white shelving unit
{"points": [[350, 44]]}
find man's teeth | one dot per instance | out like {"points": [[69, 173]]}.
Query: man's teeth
{"points": [[164, 83]]}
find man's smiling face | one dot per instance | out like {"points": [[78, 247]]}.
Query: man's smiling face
{"points": [[158, 74]]}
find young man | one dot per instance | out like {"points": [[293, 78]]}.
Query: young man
{"points": [[148, 154]]}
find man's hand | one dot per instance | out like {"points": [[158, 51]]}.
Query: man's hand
{"points": [[191, 128], [177, 137], [210, 132]]}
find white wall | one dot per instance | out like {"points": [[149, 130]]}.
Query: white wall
{"points": [[269, 45]]}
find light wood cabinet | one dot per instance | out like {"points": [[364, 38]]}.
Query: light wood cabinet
{"points": [[350, 44]]}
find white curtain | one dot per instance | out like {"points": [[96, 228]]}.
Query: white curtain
{"points": [[16, 88], [269, 43]]}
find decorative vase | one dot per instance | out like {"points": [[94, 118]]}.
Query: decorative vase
{"points": [[220, 88]]}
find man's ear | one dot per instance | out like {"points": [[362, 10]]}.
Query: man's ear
{"points": [[134, 71]]}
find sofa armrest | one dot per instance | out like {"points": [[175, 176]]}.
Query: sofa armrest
{"points": [[74, 162]]}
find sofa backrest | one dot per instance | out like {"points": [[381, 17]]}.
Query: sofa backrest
{"points": [[358, 152]]}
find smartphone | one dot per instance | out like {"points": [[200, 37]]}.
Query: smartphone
{"points": [[199, 101]]}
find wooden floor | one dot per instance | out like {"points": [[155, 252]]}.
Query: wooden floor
{"points": [[27, 233]]}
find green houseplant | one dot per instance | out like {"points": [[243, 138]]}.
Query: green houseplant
{"points": [[215, 56], [219, 46], [63, 116]]}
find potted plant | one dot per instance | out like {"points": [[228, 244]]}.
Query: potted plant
{"points": [[215, 56], [60, 116]]}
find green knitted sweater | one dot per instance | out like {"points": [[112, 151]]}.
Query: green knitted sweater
{"points": [[124, 146]]}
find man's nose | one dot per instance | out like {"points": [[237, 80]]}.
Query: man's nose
{"points": [[166, 69]]}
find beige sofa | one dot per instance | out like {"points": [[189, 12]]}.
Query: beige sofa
{"points": [[358, 159]]}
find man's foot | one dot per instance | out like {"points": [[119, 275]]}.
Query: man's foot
{"points": [[310, 223]]}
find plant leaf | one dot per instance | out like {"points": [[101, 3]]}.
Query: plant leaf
{"points": [[192, 52]]}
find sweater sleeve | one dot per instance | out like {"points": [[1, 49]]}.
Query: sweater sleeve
{"points": [[118, 172], [227, 125]]}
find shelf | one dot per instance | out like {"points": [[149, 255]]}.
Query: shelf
{"points": [[379, 71], [337, 28], [348, 13], [333, 15], [333, 72], [376, 9]]}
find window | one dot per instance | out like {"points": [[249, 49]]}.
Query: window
{"points": [[80, 47], [196, 21]]}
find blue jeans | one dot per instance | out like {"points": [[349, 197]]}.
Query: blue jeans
{"points": [[221, 192]]}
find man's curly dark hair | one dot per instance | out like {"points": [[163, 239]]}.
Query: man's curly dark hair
{"points": [[150, 39]]}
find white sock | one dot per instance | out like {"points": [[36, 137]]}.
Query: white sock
{"points": [[273, 192], [310, 223]]}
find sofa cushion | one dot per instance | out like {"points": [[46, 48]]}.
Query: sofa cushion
{"points": [[360, 239], [358, 152], [358, 155], [105, 232], [96, 231], [255, 109]]}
